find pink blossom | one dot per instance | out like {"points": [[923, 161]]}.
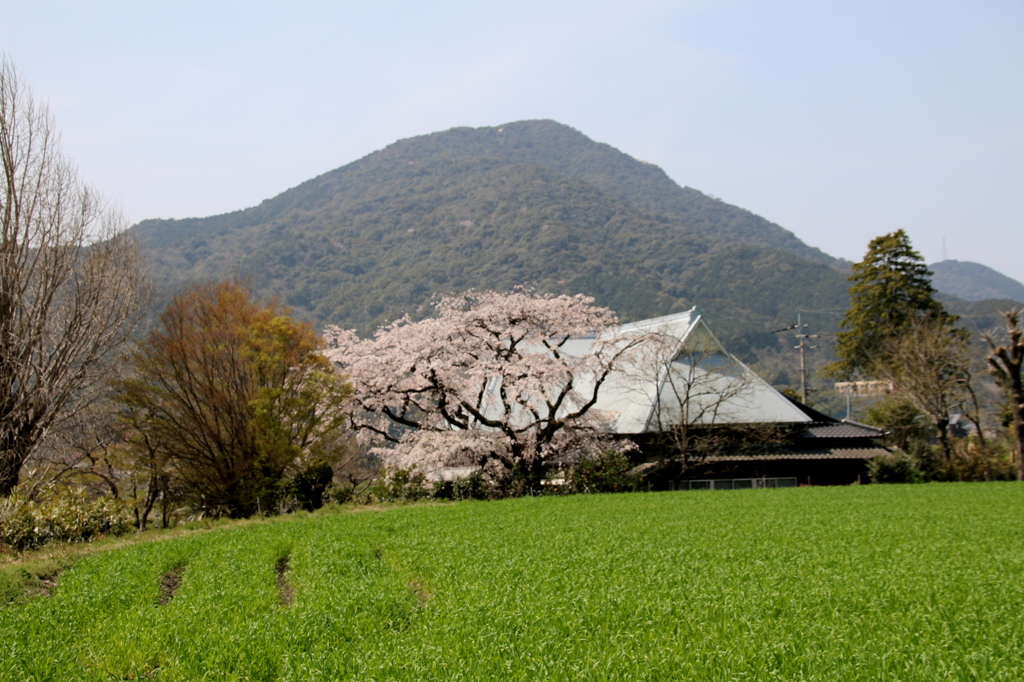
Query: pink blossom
{"points": [[489, 380]]}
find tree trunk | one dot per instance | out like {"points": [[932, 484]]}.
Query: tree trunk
{"points": [[11, 462], [1005, 363], [165, 510], [152, 492], [1018, 439], [10, 474], [943, 426]]}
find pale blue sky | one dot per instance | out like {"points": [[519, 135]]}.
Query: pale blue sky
{"points": [[839, 121]]}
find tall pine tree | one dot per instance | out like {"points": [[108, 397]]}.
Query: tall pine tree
{"points": [[890, 292]]}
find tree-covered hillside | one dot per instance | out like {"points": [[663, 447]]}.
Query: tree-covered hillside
{"points": [[974, 281], [533, 202], [643, 185]]}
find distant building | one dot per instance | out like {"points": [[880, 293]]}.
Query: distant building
{"points": [[863, 387], [686, 374], [679, 373], [683, 372]]}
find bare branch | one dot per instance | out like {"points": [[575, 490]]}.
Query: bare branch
{"points": [[1005, 362], [71, 288]]}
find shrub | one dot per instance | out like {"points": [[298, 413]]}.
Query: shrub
{"points": [[607, 472], [400, 485], [472, 487], [309, 486], [973, 461], [896, 467], [338, 494], [970, 461], [61, 514]]}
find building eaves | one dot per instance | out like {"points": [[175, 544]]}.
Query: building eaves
{"points": [[843, 429], [806, 453]]}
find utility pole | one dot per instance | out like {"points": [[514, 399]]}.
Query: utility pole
{"points": [[803, 346]]}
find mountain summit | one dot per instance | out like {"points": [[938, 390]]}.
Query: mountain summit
{"points": [[533, 202], [974, 281]]}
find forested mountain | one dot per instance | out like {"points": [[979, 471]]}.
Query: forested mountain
{"points": [[533, 202], [974, 281]]}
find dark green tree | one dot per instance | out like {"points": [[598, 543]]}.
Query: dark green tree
{"points": [[890, 292], [905, 423]]}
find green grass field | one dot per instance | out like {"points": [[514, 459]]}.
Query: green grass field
{"points": [[861, 583]]}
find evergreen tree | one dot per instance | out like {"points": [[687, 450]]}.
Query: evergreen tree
{"points": [[890, 292]]}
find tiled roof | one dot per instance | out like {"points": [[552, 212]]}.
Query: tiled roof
{"points": [[805, 453], [843, 429]]}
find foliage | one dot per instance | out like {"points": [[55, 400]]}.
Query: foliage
{"points": [[472, 487], [1006, 363], [310, 485], [968, 460], [538, 203], [489, 382], [400, 485], [905, 423], [609, 471], [58, 514], [895, 467], [891, 291], [929, 366], [235, 396], [405, 485], [338, 494], [976, 461], [915, 583], [70, 281], [100, 449]]}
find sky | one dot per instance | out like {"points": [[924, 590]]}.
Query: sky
{"points": [[838, 121]]}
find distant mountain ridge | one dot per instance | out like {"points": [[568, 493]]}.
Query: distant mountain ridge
{"points": [[974, 281], [531, 202]]}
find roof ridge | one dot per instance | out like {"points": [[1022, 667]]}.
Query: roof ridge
{"points": [[847, 420]]}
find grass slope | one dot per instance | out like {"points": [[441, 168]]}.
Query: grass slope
{"points": [[859, 583]]}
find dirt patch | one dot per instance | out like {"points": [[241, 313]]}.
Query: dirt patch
{"points": [[38, 586], [420, 590], [21, 583], [48, 584], [169, 585], [284, 588]]}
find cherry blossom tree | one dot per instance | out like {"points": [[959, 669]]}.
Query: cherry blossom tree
{"points": [[493, 381]]}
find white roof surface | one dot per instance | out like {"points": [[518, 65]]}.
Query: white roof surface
{"points": [[681, 370]]}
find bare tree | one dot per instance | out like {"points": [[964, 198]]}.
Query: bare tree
{"points": [[104, 448], [704, 398], [930, 366], [87, 448], [70, 280], [1004, 363]]}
